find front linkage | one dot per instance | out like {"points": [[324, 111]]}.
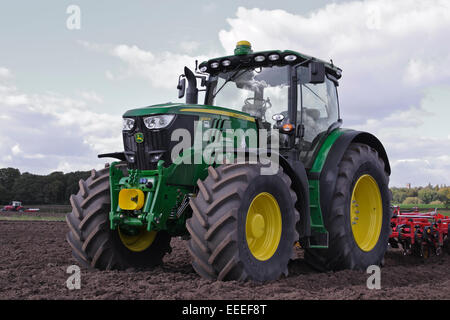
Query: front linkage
{"points": [[141, 198]]}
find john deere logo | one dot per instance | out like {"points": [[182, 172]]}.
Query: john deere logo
{"points": [[139, 137]]}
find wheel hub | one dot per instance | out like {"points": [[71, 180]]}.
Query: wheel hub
{"points": [[263, 226], [366, 212], [257, 225]]}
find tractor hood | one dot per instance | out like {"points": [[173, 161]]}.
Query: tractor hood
{"points": [[155, 109], [183, 108], [146, 143]]}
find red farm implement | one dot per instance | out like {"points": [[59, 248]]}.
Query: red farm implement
{"points": [[17, 206], [420, 234]]}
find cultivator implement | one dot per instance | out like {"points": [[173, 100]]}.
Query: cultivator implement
{"points": [[420, 234]]}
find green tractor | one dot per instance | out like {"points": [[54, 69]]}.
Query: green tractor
{"points": [[243, 183]]}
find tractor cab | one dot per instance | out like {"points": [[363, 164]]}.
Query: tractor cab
{"points": [[283, 90], [16, 204]]}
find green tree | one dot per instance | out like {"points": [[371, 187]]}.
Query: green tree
{"points": [[444, 195], [411, 192], [7, 178], [427, 195], [398, 195], [72, 180], [412, 200]]}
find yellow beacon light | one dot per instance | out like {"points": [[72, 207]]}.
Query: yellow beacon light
{"points": [[243, 43], [243, 47]]}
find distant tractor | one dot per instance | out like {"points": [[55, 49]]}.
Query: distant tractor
{"points": [[289, 175], [14, 206]]}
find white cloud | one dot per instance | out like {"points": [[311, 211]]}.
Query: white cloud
{"points": [[394, 81], [392, 54], [421, 171], [189, 46], [417, 140], [5, 73], [47, 131], [96, 47], [388, 50], [109, 75], [209, 8], [16, 150], [91, 96], [161, 69]]}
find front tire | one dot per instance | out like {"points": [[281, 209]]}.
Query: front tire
{"points": [[243, 224], [94, 244], [359, 219]]}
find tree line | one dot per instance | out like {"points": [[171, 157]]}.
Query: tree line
{"points": [[435, 195], [57, 187], [54, 188]]}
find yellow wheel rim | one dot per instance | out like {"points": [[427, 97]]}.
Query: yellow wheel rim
{"points": [[366, 212], [263, 226], [139, 242]]}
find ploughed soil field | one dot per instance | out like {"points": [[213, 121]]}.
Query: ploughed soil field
{"points": [[34, 257]]}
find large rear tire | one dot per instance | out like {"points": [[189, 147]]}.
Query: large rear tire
{"points": [[94, 244], [243, 224], [359, 219]]}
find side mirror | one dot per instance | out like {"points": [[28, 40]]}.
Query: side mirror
{"points": [[192, 91], [316, 72], [181, 87]]}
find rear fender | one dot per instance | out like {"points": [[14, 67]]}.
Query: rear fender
{"points": [[329, 172]]}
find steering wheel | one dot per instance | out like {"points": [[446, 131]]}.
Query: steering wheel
{"points": [[257, 109], [265, 102]]}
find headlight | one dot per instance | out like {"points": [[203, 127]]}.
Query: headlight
{"points": [[158, 122], [226, 63], [260, 58], [128, 123], [274, 57], [290, 58]]}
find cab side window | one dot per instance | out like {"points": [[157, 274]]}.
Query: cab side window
{"points": [[319, 107]]}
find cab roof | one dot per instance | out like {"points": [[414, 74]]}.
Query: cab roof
{"points": [[248, 58]]}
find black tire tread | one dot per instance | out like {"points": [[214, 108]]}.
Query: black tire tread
{"points": [[212, 225], [338, 257], [89, 235]]}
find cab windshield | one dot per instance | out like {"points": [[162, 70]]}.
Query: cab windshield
{"points": [[260, 92]]}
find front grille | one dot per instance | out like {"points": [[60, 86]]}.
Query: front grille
{"points": [[156, 142]]}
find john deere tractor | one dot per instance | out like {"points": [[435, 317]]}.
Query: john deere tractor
{"points": [[259, 166]]}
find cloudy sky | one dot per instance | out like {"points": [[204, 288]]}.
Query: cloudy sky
{"points": [[63, 90]]}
